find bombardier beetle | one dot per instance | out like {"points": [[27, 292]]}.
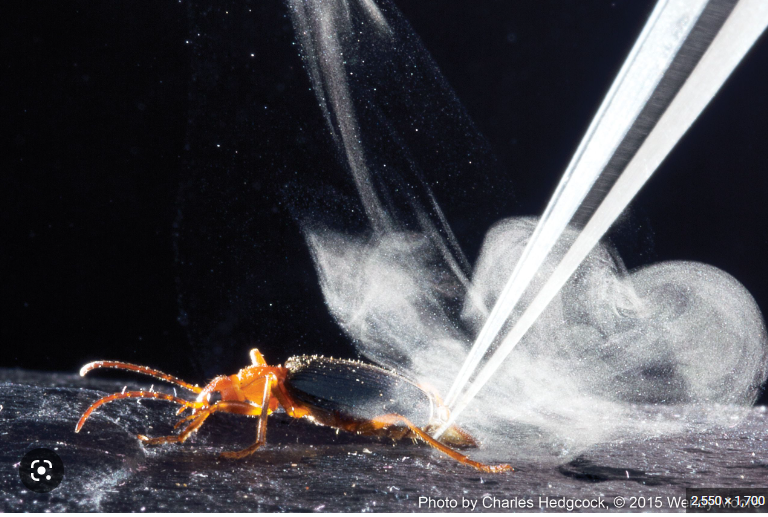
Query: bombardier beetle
{"points": [[343, 394]]}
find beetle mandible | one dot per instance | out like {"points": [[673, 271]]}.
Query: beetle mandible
{"points": [[344, 394]]}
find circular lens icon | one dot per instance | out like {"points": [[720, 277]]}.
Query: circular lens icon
{"points": [[41, 470]]}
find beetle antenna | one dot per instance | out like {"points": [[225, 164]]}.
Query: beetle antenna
{"points": [[134, 394], [157, 374]]}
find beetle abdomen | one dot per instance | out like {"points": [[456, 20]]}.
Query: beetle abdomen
{"points": [[355, 390]]}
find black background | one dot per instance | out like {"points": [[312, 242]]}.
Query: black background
{"points": [[104, 120]]}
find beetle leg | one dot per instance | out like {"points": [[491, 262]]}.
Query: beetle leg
{"points": [[393, 419], [134, 394], [185, 419], [261, 429], [227, 406], [291, 407], [198, 420], [241, 408]]}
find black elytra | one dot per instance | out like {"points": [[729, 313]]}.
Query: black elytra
{"points": [[355, 390]]}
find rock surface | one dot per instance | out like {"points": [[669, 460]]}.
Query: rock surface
{"points": [[309, 468]]}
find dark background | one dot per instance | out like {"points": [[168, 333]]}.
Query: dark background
{"points": [[121, 118]]}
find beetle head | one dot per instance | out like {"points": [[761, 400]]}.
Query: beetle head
{"points": [[220, 388]]}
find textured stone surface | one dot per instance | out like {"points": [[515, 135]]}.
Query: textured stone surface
{"points": [[306, 467]]}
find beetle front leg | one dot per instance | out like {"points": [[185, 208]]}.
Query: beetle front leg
{"points": [[197, 419]]}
